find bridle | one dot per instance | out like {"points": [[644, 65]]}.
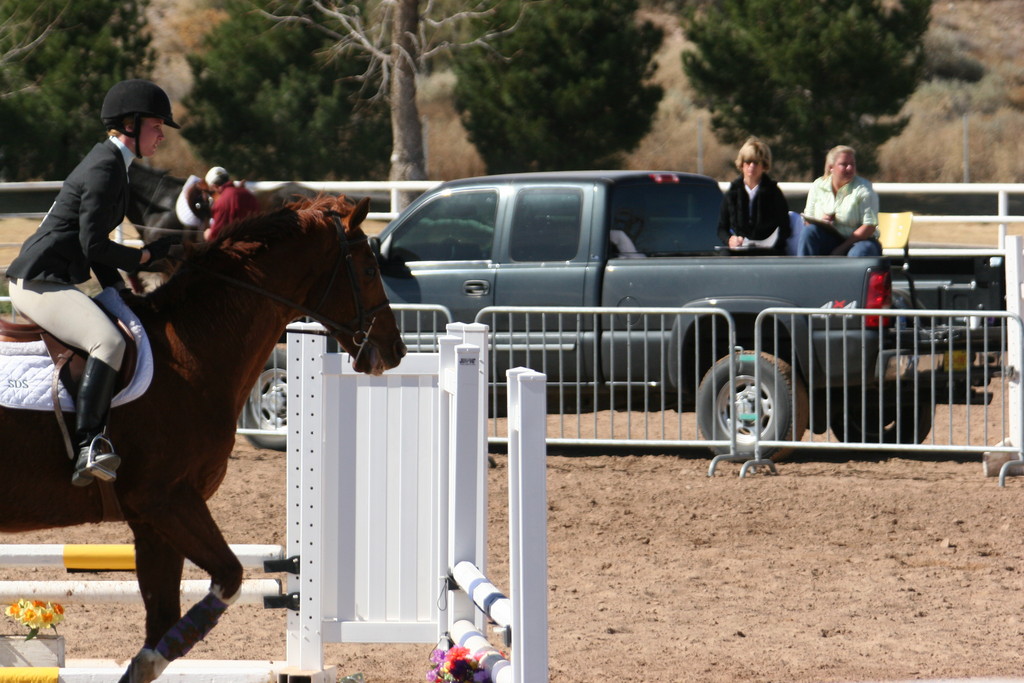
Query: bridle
{"points": [[359, 327]]}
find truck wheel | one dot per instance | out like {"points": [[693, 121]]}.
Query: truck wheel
{"points": [[267, 406], [854, 423], [780, 393]]}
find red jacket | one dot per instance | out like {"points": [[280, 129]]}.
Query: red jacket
{"points": [[233, 203]]}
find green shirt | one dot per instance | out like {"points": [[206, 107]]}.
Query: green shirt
{"points": [[855, 204]]}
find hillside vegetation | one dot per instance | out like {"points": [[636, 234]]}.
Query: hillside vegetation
{"points": [[973, 37]]}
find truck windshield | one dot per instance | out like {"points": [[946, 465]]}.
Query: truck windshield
{"points": [[667, 218]]}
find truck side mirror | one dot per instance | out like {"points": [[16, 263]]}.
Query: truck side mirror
{"points": [[375, 247], [388, 266]]}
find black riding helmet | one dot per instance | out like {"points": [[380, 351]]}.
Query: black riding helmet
{"points": [[135, 97]]}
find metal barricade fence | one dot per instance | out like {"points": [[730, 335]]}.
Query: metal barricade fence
{"points": [[615, 376], [932, 381], [893, 380], [872, 380], [421, 325]]}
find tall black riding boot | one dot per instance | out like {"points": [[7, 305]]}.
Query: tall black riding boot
{"points": [[96, 456]]}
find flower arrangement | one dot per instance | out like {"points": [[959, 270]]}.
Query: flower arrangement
{"points": [[36, 614], [456, 665]]}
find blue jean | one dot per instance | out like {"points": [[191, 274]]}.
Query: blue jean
{"points": [[817, 241]]}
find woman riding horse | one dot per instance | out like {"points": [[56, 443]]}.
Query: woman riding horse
{"points": [[73, 239], [211, 328]]}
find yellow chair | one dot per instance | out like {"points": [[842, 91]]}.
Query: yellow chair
{"points": [[894, 230], [894, 233]]}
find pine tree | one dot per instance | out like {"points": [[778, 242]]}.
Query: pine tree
{"points": [[567, 90], [269, 102], [806, 75], [52, 117]]}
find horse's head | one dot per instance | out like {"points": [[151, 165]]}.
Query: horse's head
{"points": [[349, 298]]}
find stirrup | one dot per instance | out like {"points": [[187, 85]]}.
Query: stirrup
{"points": [[100, 462]]}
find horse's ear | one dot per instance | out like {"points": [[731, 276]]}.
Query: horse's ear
{"points": [[359, 213]]}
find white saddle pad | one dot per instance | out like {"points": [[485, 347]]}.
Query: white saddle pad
{"points": [[26, 369]]}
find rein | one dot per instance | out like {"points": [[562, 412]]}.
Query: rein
{"points": [[358, 328]]}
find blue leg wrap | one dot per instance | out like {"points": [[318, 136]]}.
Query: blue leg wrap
{"points": [[192, 627]]}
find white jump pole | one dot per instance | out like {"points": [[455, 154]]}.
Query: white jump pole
{"points": [[110, 557], [305, 500], [111, 592], [1014, 304], [527, 501], [467, 501], [1012, 248], [483, 593]]}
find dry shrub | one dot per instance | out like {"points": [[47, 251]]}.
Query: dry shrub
{"points": [[680, 138], [931, 148]]}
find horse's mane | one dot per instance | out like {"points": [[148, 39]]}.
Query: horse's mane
{"points": [[266, 227]]}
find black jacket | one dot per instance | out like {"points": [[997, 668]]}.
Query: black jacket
{"points": [[770, 211], [74, 237]]}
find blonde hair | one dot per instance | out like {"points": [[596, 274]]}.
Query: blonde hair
{"points": [[754, 149], [830, 157], [126, 123]]}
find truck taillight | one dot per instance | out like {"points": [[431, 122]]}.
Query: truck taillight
{"points": [[664, 177], [879, 296]]}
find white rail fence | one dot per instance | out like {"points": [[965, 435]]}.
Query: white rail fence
{"points": [[395, 190], [1000, 191]]}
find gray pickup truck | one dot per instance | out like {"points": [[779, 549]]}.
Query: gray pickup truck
{"points": [[614, 239]]}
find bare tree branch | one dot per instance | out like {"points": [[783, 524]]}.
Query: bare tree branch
{"points": [[399, 38], [22, 46], [18, 36]]}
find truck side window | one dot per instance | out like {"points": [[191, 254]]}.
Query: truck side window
{"points": [[452, 227], [546, 225]]}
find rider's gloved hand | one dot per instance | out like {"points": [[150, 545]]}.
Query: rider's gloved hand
{"points": [[164, 247]]}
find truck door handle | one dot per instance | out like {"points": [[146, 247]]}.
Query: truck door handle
{"points": [[476, 287]]}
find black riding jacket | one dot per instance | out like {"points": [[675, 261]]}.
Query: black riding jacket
{"points": [[74, 237]]}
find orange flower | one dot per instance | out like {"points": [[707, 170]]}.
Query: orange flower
{"points": [[36, 614]]}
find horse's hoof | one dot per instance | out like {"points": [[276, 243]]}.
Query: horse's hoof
{"points": [[145, 667]]}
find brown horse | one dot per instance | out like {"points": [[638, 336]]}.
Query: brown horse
{"points": [[212, 326]]}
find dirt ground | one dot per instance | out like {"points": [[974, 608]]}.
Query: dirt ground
{"points": [[838, 569], [841, 568]]}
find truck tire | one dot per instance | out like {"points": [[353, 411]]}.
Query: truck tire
{"points": [[781, 393], [267, 405], [852, 423]]}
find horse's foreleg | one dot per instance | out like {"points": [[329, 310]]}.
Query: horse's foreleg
{"points": [[158, 568], [190, 530]]}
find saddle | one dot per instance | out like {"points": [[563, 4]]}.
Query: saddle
{"points": [[69, 364], [69, 361]]}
